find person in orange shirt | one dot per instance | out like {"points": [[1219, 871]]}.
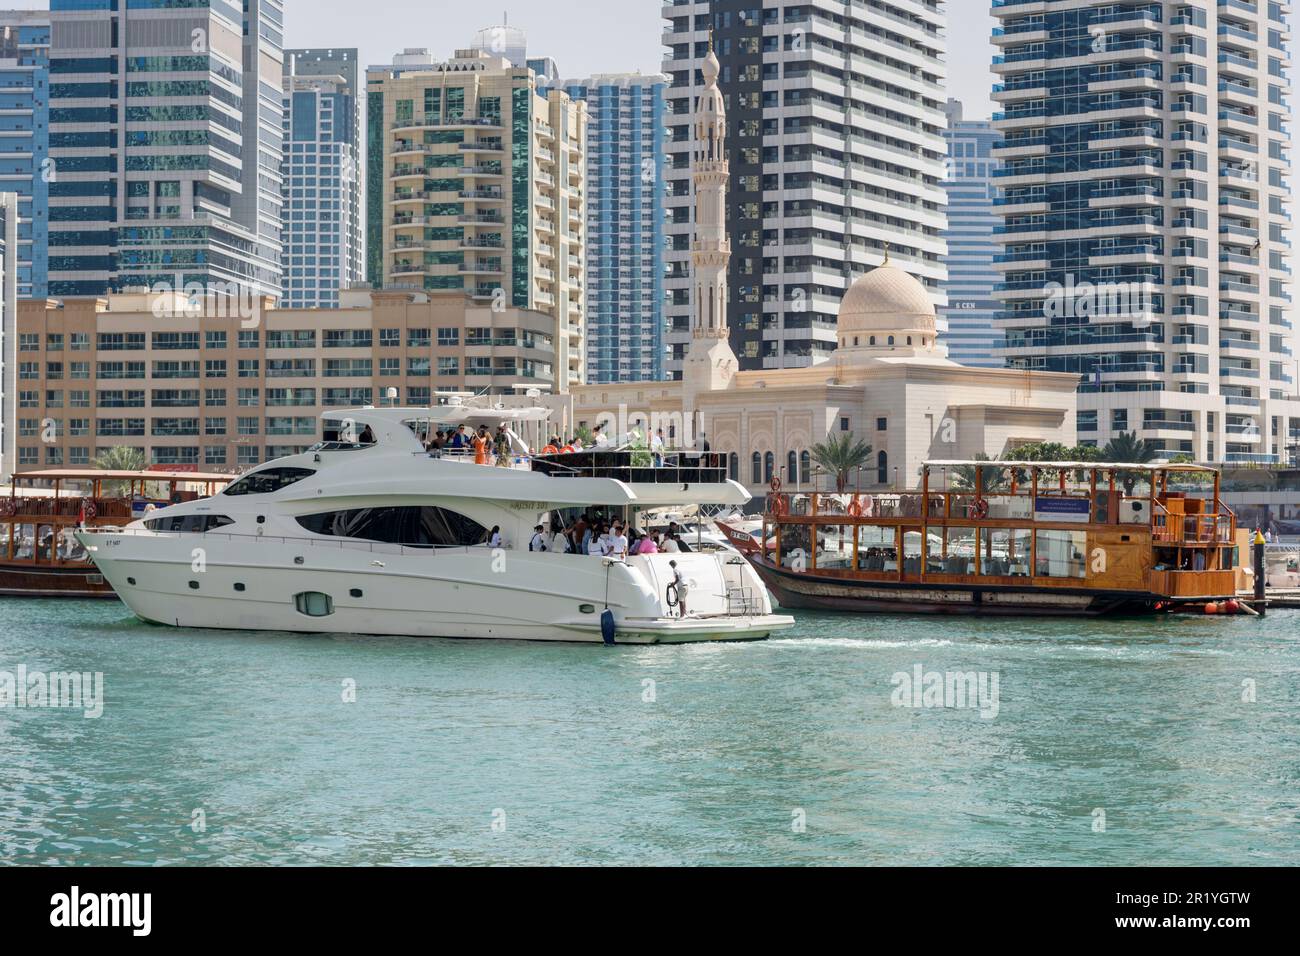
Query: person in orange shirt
{"points": [[481, 442]]}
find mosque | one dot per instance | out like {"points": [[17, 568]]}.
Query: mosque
{"points": [[889, 382]]}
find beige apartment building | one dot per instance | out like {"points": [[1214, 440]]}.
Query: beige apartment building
{"points": [[202, 387], [475, 182]]}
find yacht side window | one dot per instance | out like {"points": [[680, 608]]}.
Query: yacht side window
{"points": [[414, 526], [265, 482], [189, 524]]}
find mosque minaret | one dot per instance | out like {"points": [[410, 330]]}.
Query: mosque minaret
{"points": [[710, 363]]}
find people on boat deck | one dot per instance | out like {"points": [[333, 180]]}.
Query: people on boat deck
{"points": [[618, 542], [596, 539], [501, 443], [538, 543], [494, 538], [481, 443], [648, 545], [670, 545], [601, 439], [680, 585], [367, 436]]}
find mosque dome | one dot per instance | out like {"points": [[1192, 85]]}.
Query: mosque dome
{"points": [[887, 299]]}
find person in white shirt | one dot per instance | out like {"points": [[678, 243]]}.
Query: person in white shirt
{"points": [[602, 440], [657, 447], [618, 543], [495, 542], [539, 540], [669, 545]]}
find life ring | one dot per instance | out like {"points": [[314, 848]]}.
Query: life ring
{"points": [[775, 486], [778, 506], [980, 510], [855, 509]]}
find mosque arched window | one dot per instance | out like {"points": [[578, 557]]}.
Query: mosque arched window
{"points": [[769, 466], [756, 469], [882, 468]]}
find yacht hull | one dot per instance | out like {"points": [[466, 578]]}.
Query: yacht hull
{"points": [[223, 582]]}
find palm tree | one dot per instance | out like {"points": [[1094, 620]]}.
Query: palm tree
{"points": [[1126, 447], [119, 458], [839, 455], [963, 477]]}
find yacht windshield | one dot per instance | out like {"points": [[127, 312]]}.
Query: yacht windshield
{"points": [[265, 482]]}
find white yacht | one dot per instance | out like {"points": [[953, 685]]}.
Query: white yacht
{"points": [[369, 533]]}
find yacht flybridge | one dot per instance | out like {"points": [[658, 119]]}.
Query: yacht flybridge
{"points": [[367, 532]]}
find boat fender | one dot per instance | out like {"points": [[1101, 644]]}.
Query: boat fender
{"points": [[607, 626]]}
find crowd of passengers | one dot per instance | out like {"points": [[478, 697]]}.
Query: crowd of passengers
{"points": [[600, 537], [489, 448]]}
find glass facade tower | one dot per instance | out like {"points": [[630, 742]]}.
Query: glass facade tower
{"points": [[25, 139], [165, 141], [972, 245], [322, 177], [1146, 233], [626, 143]]}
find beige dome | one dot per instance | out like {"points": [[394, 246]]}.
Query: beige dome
{"points": [[886, 299]]}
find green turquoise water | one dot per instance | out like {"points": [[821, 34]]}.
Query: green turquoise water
{"points": [[1142, 719]]}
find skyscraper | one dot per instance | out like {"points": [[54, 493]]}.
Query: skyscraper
{"points": [[475, 182], [972, 245], [25, 138], [837, 151], [165, 137], [1146, 233], [626, 145], [323, 233]]}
